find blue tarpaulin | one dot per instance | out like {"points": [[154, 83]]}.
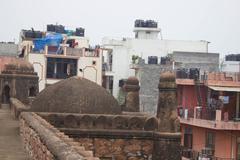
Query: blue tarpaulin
{"points": [[50, 40]]}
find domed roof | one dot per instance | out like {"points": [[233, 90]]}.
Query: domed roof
{"points": [[167, 77], [167, 80], [18, 65], [76, 95]]}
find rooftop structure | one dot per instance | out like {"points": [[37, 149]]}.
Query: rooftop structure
{"points": [[58, 54], [8, 49], [146, 44]]}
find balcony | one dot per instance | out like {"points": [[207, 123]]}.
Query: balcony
{"points": [[208, 118], [64, 51]]}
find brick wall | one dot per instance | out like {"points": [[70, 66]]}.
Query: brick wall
{"points": [[118, 149], [118, 137], [32, 142], [42, 141]]}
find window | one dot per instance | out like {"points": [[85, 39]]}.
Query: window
{"points": [[210, 140], [188, 137], [61, 68]]}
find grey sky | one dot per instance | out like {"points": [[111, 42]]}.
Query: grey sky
{"points": [[217, 21]]}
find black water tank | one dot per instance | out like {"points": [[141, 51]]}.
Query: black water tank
{"points": [[29, 34], [152, 60], [59, 29], [80, 32], [178, 73], [138, 23], [51, 28], [194, 73], [185, 73], [163, 60]]}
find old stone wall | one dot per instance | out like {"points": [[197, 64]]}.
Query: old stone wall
{"points": [[101, 121], [32, 142], [118, 137], [19, 86], [17, 107], [42, 141], [118, 149]]}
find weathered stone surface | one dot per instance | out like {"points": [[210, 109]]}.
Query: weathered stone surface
{"points": [[167, 147], [11, 147], [102, 147], [18, 80], [43, 141], [132, 99], [76, 95], [119, 149], [167, 103]]}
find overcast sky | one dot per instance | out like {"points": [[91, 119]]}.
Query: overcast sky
{"points": [[217, 21]]}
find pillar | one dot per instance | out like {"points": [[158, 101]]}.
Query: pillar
{"points": [[167, 103], [168, 138], [132, 99], [237, 105]]}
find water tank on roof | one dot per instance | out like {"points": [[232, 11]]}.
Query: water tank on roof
{"points": [[194, 73], [51, 28], [80, 32], [60, 29], [138, 23], [178, 73], [152, 60]]}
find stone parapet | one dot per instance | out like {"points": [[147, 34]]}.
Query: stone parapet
{"points": [[101, 121], [17, 107], [118, 137], [43, 141]]}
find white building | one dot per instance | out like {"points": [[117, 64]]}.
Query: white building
{"points": [[231, 63], [118, 57], [52, 65]]}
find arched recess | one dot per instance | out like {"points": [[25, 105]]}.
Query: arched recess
{"points": [[6, 95], [32, 92]]}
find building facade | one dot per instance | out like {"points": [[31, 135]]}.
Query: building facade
{"points": [[146, 43], [57, 56], [209, 116]]}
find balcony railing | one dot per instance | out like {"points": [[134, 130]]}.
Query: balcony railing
{"points": [[206, 113], [186, 112]]}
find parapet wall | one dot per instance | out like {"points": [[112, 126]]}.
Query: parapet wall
{"points": [[44, 142], [101, 121], [118, 137], [17, 107]]}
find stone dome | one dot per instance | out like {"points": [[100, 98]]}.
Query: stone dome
{"points": [[76, 95], [18, 65]]}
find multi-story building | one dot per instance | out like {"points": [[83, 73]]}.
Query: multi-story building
{"points": [[56, 55], [209, 115], [148, 74], [147, 45]]}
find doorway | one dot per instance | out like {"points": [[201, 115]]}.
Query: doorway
{"points": [[6, 95]]}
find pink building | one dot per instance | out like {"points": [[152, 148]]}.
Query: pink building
{"points": [[209, 116]]}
